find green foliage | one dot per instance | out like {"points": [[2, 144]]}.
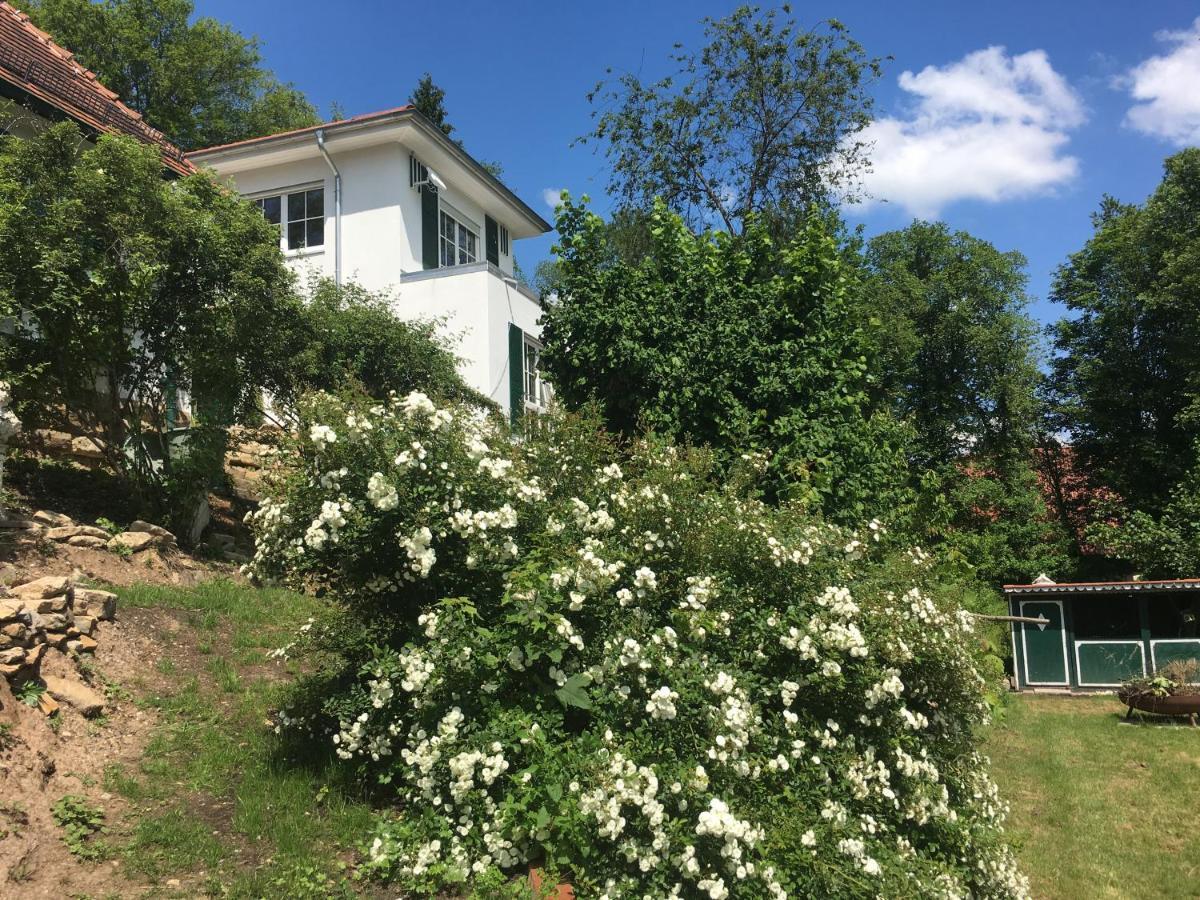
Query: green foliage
{"points": [[430, 101], [128, 289], [1127, 377], [954, 347], [1166, 545], [80, 820], [351, 335], [762, 121], [745, 345], [30, 692], [195, 79], [617, 663]]}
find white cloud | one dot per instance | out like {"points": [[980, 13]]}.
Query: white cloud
{"points": [[988, 127], [552, 197], [1166, 89]]}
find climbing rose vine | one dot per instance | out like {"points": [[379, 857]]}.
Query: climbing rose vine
{"points": [[555, 651]]}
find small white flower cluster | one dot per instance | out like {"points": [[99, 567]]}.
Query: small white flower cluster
{"points": [[422, 555], [326, 526], [661, 704], [382, 493]]}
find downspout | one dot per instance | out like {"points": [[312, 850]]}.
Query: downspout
{"points": [[337, 209]]}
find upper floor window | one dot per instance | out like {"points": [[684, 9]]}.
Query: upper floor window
{"points": [[459, 241], [504, 240], [300, 216]]}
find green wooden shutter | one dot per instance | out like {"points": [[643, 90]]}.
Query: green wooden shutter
{"points": [[491, 240], [516, 373], [429, 227]]}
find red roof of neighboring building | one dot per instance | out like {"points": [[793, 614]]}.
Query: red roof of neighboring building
{"points": [[41, 68], [1050, 587], [363, 117]]}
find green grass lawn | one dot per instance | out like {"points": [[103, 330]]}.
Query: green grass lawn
{"points": [[1099, 808], [218, 801]]}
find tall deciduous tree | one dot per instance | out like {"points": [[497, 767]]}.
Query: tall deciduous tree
{"points": [[744, 345], [955, 347], [200, 82], [764, 119], [123, 291], [1127, 374]]}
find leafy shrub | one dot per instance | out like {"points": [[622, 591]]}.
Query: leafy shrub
{"points": [[79, 820], [347, 334], [612, 664]]}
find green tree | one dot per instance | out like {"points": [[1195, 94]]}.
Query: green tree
{"points": [[955, 356], [744, 345], [954, 346], [351, 335], [764, 120], [1126, 378], [199, 82], [126, 291], [1164, 545], [430, 101]]}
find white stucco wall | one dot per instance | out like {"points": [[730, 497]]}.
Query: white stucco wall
{"points": [[475, 308], [381, 214]]}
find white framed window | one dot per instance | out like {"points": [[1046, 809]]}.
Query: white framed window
{"points": [[536, 391], [458, 240], [299, 214], [504, 240]]}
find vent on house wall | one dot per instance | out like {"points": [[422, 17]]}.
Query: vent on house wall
{"points": [[417, 172]]}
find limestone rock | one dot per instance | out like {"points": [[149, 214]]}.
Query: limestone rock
{"points": [[66, 532], [85, 624], [20, 523], [158, 531], [98, 604], [78, 695], [87, 540], [43, 588], [85, 448], [52, 605], [12, 656], [13, 610], [52, 519], [134, 540]]}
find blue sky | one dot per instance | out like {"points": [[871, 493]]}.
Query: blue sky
{"points": [[1008, 120]]}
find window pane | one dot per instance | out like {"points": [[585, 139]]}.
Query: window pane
{"points": [[315, 202], [271, 208], [462, 236], [471, 246], [447, 253], [447, 227], [315, 236], [295, 235], [295, 207]]}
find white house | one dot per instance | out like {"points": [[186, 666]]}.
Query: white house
{"points": [[388, 201]]}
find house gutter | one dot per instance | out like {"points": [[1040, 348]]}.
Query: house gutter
{"points": [[337, 209]]}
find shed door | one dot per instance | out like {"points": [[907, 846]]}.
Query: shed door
{"points": [[1045, 645]]}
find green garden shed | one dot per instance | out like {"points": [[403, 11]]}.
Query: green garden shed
{"points": [[1095, 635]]}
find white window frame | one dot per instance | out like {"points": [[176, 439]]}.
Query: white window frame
{"points": [[462, 223], [535, 391], [282, 194]]}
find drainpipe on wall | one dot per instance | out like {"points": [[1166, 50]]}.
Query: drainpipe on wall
{"points": [[337, 209]]}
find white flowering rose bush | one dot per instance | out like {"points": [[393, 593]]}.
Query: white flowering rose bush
{"points": [[594, 659]]}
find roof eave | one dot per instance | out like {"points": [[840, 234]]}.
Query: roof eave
{"points": [[254, 146]]}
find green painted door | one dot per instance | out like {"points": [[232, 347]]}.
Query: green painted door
{"points": [[1045, 651]]}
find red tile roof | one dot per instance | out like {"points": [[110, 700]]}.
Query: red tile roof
{"points": [[41, 68], [363, 117]]}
